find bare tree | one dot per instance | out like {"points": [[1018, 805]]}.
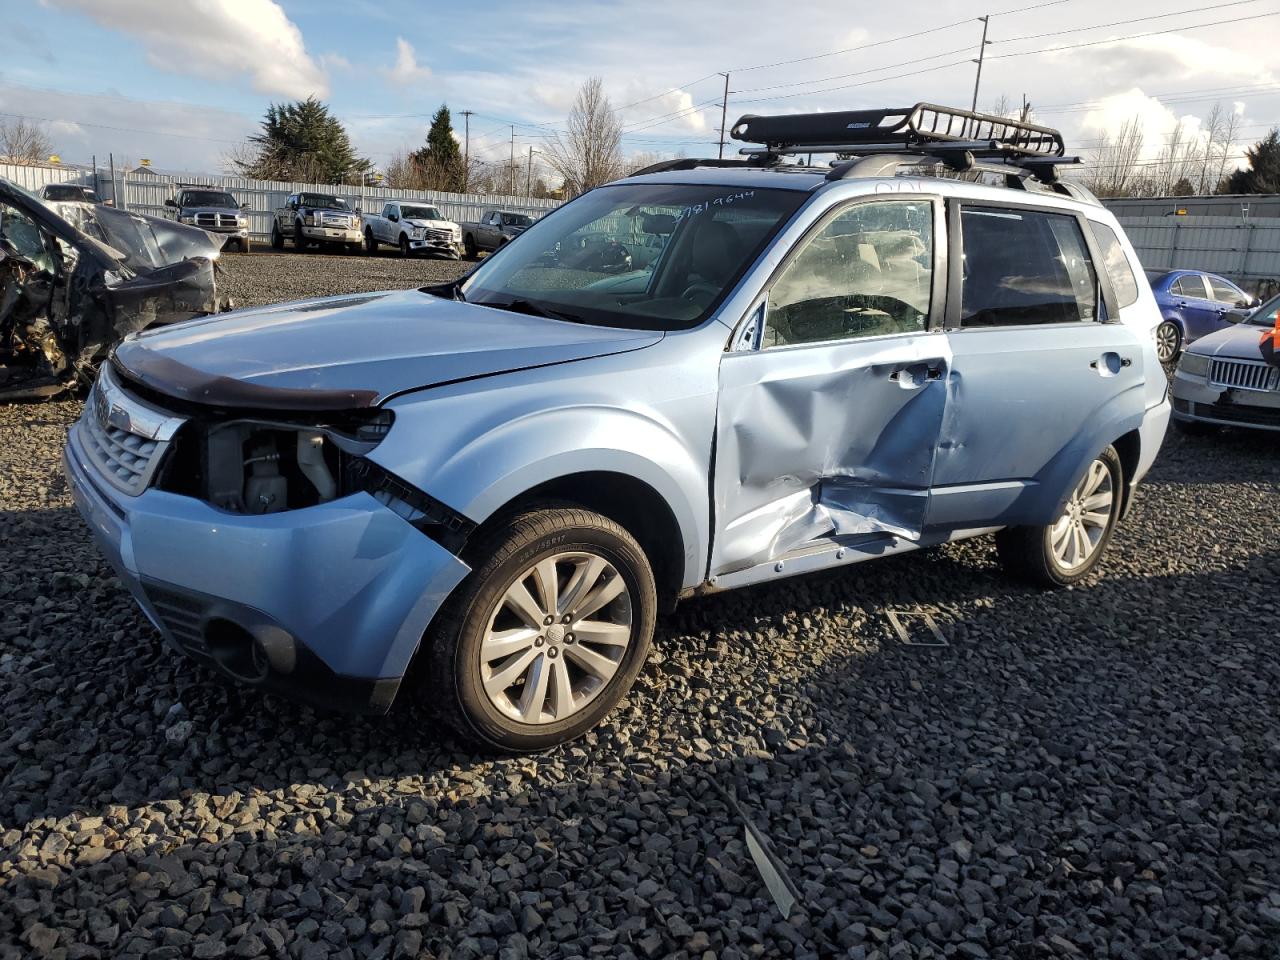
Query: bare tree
{"points": [[1114, 168], [23, 143], [1179, 159], [590, 153]]}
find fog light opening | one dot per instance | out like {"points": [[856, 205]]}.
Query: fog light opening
{"points": [[237, 651]]}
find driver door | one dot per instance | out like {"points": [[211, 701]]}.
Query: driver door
{"points": [[828, 418]]}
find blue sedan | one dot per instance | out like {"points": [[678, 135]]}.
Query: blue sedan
{"points": [[1192, 305]]}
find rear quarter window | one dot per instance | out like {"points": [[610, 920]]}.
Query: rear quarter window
{"points": [[1116, 263]]}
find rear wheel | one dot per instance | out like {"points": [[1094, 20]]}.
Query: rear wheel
{"points": [[1066, 551], [1168, 341], [245, 244], [547, 634]]}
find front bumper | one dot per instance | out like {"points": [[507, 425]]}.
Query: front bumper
{"points": [[1196, 400], [335, 597], [447, 247], [333, 234]]}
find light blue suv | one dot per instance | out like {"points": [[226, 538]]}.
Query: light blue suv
{"points": [[494, 487]]}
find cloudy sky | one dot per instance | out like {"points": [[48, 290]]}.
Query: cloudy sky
{"points": [[181, 83]]}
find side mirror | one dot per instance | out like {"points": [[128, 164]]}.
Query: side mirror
{"points": [[244, 206], [1255, 302], [393, 217], [359, 210], [170, 202]]}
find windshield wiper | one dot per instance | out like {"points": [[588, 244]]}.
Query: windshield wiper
{"points": [[535, 309]]}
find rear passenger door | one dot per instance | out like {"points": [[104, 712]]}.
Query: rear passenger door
{"points": [[1200, 314], [1043, 374]]}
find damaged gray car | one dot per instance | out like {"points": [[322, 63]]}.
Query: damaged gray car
{"points": [[74, 281]]}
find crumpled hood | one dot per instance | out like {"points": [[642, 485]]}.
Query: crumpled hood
{"points": [[353, 351], [436, 224], [1240, 341]]}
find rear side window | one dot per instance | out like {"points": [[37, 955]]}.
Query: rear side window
{"points": [[1023, 267], [1190, 286], [1115, 263]]}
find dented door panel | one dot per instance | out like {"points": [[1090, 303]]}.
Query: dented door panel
{"points": [[828, 440]]}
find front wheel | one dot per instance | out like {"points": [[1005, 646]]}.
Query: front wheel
{"points": [[370, 244], [469, 245], [404, 245], [547, 634], [277, 238], [1066, 551], [1168, 341]]}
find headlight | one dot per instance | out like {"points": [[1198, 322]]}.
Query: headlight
{"points": [[309, 219], [1194, 364], [186, 218], [242, 221], [418, 233]]}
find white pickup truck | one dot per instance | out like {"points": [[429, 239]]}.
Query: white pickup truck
{"points": [[414, 227]]}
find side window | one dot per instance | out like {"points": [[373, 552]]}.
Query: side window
{"points": [[1224, 292], [19, 232], [1190, 285], [867, 272], [1115, 263], [389, 209], [1023, 267]]}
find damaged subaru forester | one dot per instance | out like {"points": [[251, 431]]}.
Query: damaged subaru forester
{"points": [[708, 375]]}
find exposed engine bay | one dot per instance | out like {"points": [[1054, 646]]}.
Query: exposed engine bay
{"points": [[76, 279]]}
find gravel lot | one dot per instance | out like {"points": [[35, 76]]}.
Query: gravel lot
{"points": [[1088, 773]]}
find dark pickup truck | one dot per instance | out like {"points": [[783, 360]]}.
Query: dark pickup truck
{"points": [[495, 228]]}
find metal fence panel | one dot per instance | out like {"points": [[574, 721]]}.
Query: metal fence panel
{"points": [[1243, 250], [146, 192]]}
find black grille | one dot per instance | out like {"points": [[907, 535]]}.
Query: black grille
{"points": [[1231, 413], [182, 615]]}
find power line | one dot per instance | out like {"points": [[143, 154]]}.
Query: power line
{"points": [[1121, 23], [905, 36]]}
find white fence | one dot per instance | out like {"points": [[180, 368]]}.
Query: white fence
{"points": [[1243, 250], [146, 192]]}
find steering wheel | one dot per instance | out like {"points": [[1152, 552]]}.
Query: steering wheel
{"points": [[615, 258], [699, 288]]}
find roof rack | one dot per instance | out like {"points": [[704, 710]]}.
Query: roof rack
{"points": [[893, 137]]}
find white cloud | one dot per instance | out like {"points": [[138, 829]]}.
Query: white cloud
{"points": [[407, 70], [219, 39]]}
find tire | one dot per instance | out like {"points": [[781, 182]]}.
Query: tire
{"points": [[505, 558], [1168, 341], [351, 249], [404, 246], [370, 244], [1029, 553], [469, 245], [299, 241], [277, 238], [246, 245]]}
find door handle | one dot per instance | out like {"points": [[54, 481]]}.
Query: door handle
{"points": [[1109, 364], [912, 376]]}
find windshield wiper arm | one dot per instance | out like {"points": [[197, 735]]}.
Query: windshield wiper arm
{"points": [[533, 308]]}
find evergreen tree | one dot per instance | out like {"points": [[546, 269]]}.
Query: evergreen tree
{"points": [[440, 161], [303, 141], [1263, 173]]}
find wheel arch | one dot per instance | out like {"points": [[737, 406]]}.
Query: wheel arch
{"points": [[1129, 447], [627, 500]]}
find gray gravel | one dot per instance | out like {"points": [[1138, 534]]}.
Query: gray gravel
{"points": [[1088, 773]]}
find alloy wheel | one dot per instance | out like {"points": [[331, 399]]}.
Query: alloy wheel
{"points": [[556, 637], [1168, 340], [1079, 532]]}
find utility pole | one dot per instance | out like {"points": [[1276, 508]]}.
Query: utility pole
{"points": [[724, 110], [115, 197], [1026, 109], [511, 166], [982, 53], [528, 177], [466, 150]]}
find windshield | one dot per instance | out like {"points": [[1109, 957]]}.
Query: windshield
{"points": [[516, 220], [646, 256], [1267, 315], [322, 200], [208, 198], [62, 191], [420, 213]]}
